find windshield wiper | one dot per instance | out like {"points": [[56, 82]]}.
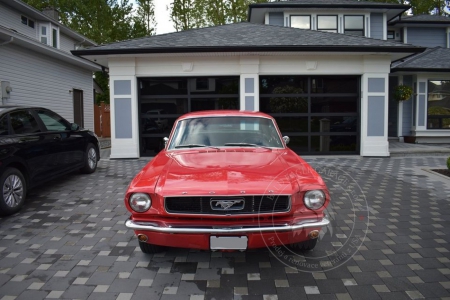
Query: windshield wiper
{"points": [[194, 146], [246, 145]]}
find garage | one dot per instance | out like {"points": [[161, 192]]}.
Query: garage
{"points": [[320, 114]]}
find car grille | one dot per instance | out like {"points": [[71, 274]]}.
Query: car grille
{"points": [[250, 205]]}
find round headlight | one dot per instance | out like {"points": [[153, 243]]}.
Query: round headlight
{"points": [[314, 199], [140, 202]]}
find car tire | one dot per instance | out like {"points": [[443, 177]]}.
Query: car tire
{"points": [[13, 190], [90, 159], [150, 248], [304, 246]]}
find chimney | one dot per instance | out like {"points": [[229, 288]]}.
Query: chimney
{"points": [[51, 12]]}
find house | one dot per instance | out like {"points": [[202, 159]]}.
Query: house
{"points": [[322, 68], [37, 66]]}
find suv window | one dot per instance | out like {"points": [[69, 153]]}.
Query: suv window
{"points": [[23, 122], [4, 126], [52, 121]]}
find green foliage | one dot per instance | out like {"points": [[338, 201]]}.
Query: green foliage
{"points": [[288, 104], [102, 80], [448, 163]]}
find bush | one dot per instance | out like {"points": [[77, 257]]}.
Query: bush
{"points": [[448, 163]]}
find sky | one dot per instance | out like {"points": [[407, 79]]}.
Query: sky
{"points": [[164, 25]]}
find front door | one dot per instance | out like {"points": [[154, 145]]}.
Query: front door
{"points": [[78, 108]]}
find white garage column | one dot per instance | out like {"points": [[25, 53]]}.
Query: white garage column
{"points": [[249, 83], [374, 115], [124, 110]]}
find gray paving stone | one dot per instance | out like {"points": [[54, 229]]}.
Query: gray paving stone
{"points": [[70, 240]]}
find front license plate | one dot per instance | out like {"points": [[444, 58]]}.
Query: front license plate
{"points": [[228, 242]]}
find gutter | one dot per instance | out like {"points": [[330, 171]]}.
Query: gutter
{"points": [[387, 49], [11, 39]]}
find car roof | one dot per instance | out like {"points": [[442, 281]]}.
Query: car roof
{"points": [[8, 108], [224, 113]]}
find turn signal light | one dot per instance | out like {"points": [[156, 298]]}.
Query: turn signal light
{"points": [[142, 238], [314, 234]]}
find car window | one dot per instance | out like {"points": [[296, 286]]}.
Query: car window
{"points": [[23, 122], [4, 126], [52, 121]]}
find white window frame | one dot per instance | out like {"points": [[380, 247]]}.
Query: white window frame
{"points": [[55, 28], [48, 32]]}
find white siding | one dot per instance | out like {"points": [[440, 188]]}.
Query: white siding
{"points": [[10, 18], [66, 43], [40, 80]]}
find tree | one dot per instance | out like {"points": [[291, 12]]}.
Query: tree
{"points": [[187, 14], [146, 16]]}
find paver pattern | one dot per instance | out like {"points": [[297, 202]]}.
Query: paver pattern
{"points": [[70, 242]]}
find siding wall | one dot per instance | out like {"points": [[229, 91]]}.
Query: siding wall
{"points": [[276, 18], [427, 37], [10, 18], [376, 26], [40, 80], [66, 43]]}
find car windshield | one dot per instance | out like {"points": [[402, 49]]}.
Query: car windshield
{"points": [[225, 132]]}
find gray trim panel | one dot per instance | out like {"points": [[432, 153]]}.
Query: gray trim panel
{"points": [[375, 122], [123, 120]]}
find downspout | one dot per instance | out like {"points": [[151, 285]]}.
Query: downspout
{"points": [[11, 39]]}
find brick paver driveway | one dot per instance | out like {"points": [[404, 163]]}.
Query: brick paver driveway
{"points": [[388, 240]]}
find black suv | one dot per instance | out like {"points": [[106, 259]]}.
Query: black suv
{"points": [[37, 145]]}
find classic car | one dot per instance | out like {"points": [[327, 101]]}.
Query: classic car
{"points": [[226, 181], [37, 145]]}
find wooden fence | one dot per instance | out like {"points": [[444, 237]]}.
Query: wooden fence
{"points": [[102, 120]]}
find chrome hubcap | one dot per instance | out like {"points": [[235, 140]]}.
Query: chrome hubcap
{"points": [[92, 158], [13, 191]]}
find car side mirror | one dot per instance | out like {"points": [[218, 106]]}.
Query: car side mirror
{"points": [[286, 139], [74, 127], [166, 140]]}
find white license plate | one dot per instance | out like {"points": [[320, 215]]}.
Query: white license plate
{"points": [[228, 242]]}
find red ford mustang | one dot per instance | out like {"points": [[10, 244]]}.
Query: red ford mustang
{"points": [[226, 181]]}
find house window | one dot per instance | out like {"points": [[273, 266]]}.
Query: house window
{"points": [[303, 22], [55, 37], [438, 104], [391, 34], [26, 21], [327, 23], [354, 25], [44, 34]]}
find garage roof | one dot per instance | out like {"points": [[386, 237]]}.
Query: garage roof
{"points": [[421, 19], [432, 60], [248, 37]]}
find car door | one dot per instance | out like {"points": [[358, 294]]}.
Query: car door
{"points": [[32, 146], [69, 145]]}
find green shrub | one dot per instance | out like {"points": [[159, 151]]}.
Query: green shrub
{"points": [[448, 163]]}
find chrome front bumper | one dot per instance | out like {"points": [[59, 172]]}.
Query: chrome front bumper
{"points": [[149, 226]]}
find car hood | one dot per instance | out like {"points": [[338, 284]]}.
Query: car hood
{"points": [[232, 172]]}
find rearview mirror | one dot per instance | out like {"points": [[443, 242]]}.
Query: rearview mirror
{"points": [[166, 140], [286, 139], [74, 127]]}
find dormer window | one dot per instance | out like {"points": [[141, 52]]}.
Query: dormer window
{"points": [[354, 25], [303, 22], [44, 34], [327, 23], [27, 21]]}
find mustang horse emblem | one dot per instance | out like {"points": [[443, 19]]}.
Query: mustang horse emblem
{"points": [[227, 204]]}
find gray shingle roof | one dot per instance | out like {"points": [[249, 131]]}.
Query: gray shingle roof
{"points": [[422, 19], [319, 3], [246, 36], [433, 59]]}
